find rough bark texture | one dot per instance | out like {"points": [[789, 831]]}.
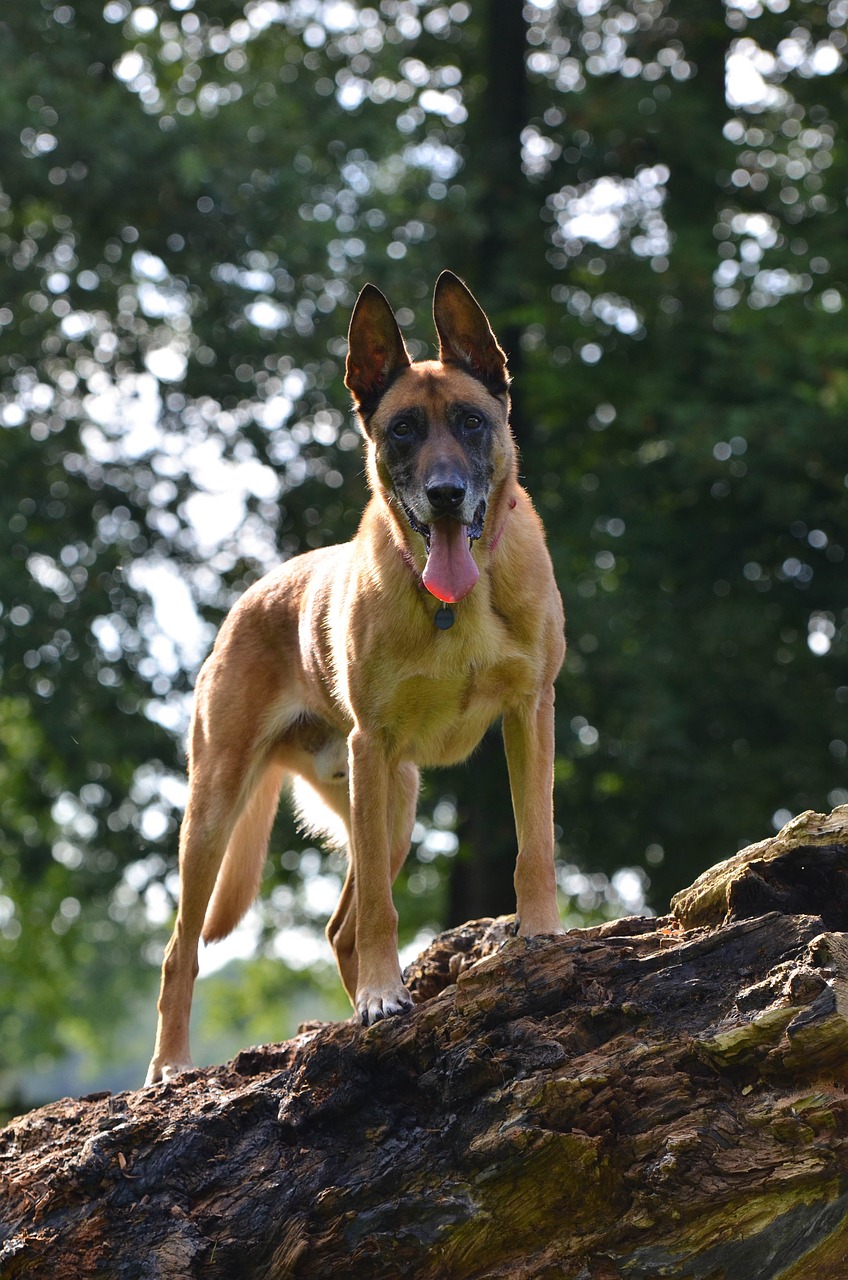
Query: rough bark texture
{"points": [[648, 1098]]}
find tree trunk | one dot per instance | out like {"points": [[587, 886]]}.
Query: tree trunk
{"points": [[641, 1099]]}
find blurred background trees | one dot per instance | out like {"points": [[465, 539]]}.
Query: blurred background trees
{"points": [[649, 198]]}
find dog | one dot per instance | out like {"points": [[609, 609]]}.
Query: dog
{"points": [[351, 666]]}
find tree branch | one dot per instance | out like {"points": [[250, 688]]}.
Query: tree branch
{"points": [[644, 1098]]}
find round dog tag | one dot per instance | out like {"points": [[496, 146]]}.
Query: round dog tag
{"points": [[444, 617]]}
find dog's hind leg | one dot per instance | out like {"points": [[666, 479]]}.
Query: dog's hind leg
{"points": [[203, 842], [341, 934], [229, 799], [322, 807]]}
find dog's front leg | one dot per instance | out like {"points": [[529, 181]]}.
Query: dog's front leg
{"points": [[379, 991], [529, 741]]}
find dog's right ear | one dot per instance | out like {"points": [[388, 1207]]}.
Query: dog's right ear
{"points": [[376, 350]]}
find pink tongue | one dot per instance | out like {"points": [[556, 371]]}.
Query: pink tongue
{"points": [[450, 572]]}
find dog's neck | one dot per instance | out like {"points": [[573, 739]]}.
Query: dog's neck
{"points": [[510, 506]]}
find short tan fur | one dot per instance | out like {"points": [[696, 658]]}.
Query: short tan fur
{"points": [[332, 673]]}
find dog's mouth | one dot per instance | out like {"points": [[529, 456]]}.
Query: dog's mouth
{"points": [[450, 573]]}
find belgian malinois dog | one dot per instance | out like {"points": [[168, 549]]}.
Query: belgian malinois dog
{"points": [[349, 667]]}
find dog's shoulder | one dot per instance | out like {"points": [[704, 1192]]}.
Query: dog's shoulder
{"points": [[270, 611]]}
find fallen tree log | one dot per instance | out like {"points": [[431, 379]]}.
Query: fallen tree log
{"points": [[641, 1099]]}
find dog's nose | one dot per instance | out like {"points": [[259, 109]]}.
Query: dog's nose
{"points": [[446, 494]]}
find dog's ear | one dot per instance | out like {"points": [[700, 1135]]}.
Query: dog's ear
{"points": [[376, 350], [465, 335]]}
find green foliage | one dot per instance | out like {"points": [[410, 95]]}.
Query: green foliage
{"points": [[191, 197]]}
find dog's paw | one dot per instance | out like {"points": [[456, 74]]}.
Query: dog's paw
{"points": [[162, 1072], [373, 1005], [532, 925]]}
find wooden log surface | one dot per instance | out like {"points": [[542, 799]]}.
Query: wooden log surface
{"points": [[802, 868], [642, 1099]]}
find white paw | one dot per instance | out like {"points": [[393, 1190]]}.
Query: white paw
{"points": [[163, 1072]]}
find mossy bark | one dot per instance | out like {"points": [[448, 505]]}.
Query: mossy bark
{"points": [[637, 1100]]}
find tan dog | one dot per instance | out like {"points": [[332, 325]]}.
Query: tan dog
{"points": [[348, 667]]}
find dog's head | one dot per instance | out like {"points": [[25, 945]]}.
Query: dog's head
{"points": [[438, 430]]}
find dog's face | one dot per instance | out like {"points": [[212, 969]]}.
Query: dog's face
{"points": [[438, 430]]}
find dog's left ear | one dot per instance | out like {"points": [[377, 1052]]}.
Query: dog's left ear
{"points": [[376, 350], [465, 335]]}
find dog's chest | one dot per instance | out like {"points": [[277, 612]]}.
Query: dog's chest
{"points": [[438, 716]]}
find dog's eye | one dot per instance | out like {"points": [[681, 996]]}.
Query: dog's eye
{"points": [[473, 422], [402, 429]]}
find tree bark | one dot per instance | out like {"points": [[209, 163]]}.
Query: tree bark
{"points": [[645, 1098]]}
